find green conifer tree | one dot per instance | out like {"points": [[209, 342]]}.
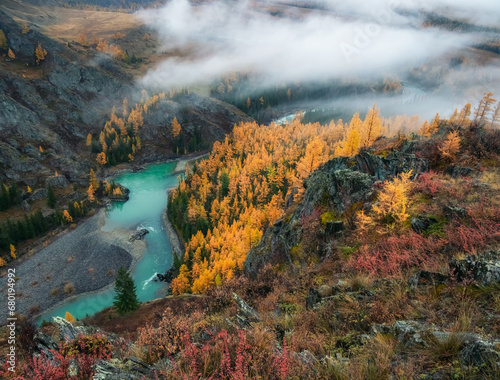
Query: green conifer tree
{"points": [[126, 297], [51, 197]]}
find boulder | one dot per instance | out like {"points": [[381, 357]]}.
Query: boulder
{"points": [[139, 235], [420, 224], [312, 298], [452, 212], [116, 370], [25, 205], [408, 332], [483, 268], [456, 171], [37, 195], [479, 354], [167, 277], [424, 277], [67, 330], [246, 313], [58, 181]]}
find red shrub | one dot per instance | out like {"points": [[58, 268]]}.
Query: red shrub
{"points": [[478, 231], [42, 368], [397, 253], [231, 356], [428, 184]]}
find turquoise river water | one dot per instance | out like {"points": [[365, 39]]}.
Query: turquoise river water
{"points": [[143, 210]]}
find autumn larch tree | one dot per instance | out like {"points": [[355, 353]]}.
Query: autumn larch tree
{"points": [[463, 116], [101, 159], [312, 159], [495, 116], [3, 40], [67, 217], [451, 145], [82, 39], [40, 53], [484, 108], [69, 317], [372, 127], [427, 129], [126, 298], [352, 139], [90, 193], [176, 128], [11, 54]]}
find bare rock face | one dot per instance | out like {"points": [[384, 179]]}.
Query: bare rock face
{"points": [[483, 268]]}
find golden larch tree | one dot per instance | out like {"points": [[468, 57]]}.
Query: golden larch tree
{"points": [[13, 251], [393, 200], [125, 107], [40, 53], [313, 158], [69, 317], [93, 179], [89, 140], [101, 158], [463, 116], [11, 54], [427, 130], [67, 217], [484, 108], [176, 128], [180, 284], [90, 193], [82, 39], [372, 127], [136, 119], [3, 40], [352, 139], [451, 145]]}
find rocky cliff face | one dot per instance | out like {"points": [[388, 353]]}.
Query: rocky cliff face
{"points": [[52, 105], [337, 188], [212, 119]]}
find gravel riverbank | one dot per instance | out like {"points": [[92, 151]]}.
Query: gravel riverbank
{"points": [[80, 261]]}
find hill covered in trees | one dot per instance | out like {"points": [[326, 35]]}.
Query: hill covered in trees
{"points": [[331, 251]]}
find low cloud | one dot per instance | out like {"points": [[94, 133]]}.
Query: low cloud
{"points": [[344, 40]]}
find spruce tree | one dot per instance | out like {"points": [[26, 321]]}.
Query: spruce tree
{"points": [[126, 297], [51, 197], [4, 197]]}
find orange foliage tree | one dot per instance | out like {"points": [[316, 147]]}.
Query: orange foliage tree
{"points": [[227, 200], [40, 53]]}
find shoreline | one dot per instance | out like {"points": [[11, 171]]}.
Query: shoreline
{"points": [[182, 163], [176, 242]]}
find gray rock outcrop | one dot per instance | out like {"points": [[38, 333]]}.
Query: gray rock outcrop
{"points": [[484, 268]]}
